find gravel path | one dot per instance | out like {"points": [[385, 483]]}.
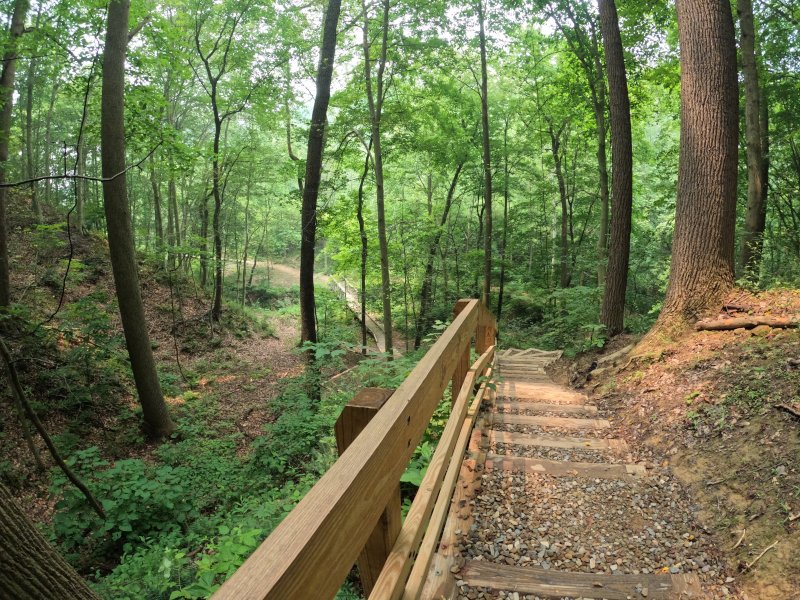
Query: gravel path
{"points": [[554, 431], [564, 454], [588, 525]]}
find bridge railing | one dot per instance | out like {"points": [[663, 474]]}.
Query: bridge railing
{"points": [[353, 513]]}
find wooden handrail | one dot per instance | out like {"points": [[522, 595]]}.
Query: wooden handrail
{"points": [[310, 553]]}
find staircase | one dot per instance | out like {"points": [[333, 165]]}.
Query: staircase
{"points": [[547, 505]]}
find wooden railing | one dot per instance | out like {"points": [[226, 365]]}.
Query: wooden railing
{"points": [[353, 512]]}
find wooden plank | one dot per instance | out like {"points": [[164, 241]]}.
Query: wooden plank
{"points": [[317, 543], [577, 409], [560, 468], [523, 439], [419, 571], [547, 583], [398, 564], [462, 366], [544, 421], [542, 392], [351, 422]]}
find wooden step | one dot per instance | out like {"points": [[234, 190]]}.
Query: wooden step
{"points": [[542, 392], [547, 583], [523, 439], [543, 421], [577, 409], [561, 468]]}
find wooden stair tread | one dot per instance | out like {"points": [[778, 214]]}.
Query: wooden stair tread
{"points": [[542, 392], [544, 421], [558, 584], [577, 409], [559, 468], [523, 439]]}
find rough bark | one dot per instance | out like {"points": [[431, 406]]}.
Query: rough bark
{"points": [[31, 569], [755, 217], [375, 102], [7, 100], [157, 214], [613, 310], [563, 263], [701, 272], [487, 164], [30, 167], [746, 323], [316, 135], [504, 243], [118, 221]]}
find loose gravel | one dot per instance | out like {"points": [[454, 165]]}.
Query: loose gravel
{"points": [[565, 454], [588, 525]]}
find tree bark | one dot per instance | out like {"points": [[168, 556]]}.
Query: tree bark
{"points": [[157, 214], [425, 302], [487, 164], [701, 272], [375, 102], [563, 264], [31, 569], [746, 323], [30, 167], [755, 217], [612, 314], [118, 220], [7, 99], [504, 245], [362, 233], [316, 146]]}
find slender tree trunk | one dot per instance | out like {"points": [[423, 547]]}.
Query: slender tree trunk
{"points": [[316, 136], [599, 105], [204, 214], [257, 252], [703, 244], [246, 244], [487, 164], [48, 135], [563, 263], [426, 293], [6, 104], [81, 186], [157, 211], [755, 217], [613, 310], [118, 220], [31, 569], [30, 167], [216, 309], [362, 232], [505, 223], [375, 102]]}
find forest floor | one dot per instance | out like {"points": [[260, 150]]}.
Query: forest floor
{"points": [[708, 406]]}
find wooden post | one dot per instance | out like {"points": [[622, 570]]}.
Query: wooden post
{"points": [[460, 372], [355, 416], [486, 331]]}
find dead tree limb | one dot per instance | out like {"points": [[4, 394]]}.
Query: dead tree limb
{"points": [[746, 323]]}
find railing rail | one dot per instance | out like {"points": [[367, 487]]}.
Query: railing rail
{"points": [[311, 552]]}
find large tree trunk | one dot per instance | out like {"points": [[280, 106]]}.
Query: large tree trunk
{"points": [[425, 296], [31, 569], [7, 99], [316, 138], [701, 272], [487, 164], [755, 217], [613, 311], [599, 106], [375, 102], [118, 220]]}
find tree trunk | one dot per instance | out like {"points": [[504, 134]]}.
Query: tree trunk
{"points": [[375, 102], [216, 192], [118, 220], [30, 167], [362, 232], [425, 301], [157, 210], [612, 313], [505, 224], [755, 217], [204, 241], [599, 105], [487, 164], [81, 185], [7, 98], [701, 272], [316, 135], [31, 569], [563, 264]]}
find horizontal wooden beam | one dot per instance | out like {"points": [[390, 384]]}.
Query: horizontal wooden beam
{"points": [[310, 553]]}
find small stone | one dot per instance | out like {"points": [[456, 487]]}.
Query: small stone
{"points": [[645, 592]]}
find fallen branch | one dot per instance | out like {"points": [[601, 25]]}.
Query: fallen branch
{"points": [[789, 409], [748, 566], [741, 539], [33, 417], [746, 323]]}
